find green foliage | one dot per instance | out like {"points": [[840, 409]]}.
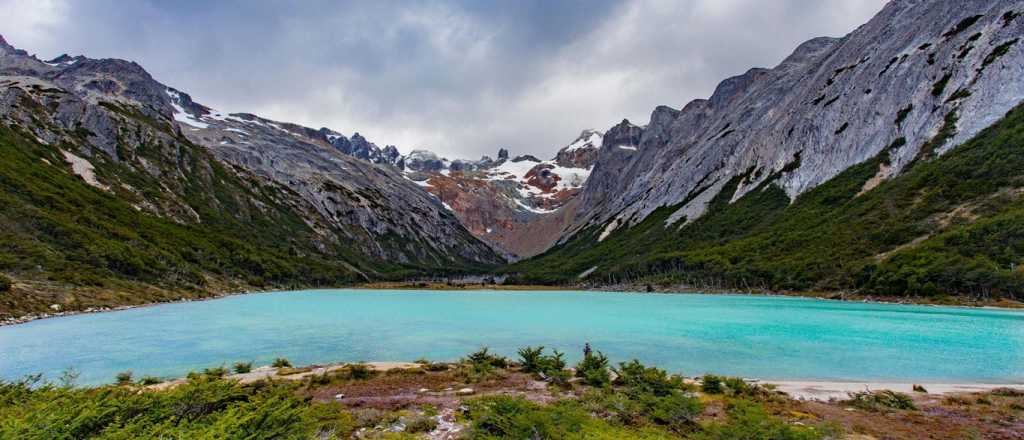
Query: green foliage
{"points": [[281, 363], [484, 356], [879, 400], [242, 367], [149, 380], [506, 417], [123, 378], [902, 238], [358, 371], [209, 408], [593, 368], [216, 372], [640, 379], [750, 421], [998, 52], [962, 25], [530, 359], [5, 283], [940, 85], [712, 384]]}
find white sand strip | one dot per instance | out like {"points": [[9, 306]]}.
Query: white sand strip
{"points": [[813, 390]]}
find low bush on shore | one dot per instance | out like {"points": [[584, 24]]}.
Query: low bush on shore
{"points": [[881, 400]]}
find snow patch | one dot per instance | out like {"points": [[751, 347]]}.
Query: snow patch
{"points": [[594, 140], [179, 113], [608, 230], [627, 147], [586, 273]]}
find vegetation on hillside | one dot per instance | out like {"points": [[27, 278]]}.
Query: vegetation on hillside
{"points": [[952, 224], [79, 246]]}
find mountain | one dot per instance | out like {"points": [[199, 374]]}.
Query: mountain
{"points": [[831, 171], [519, 205], [118, 189]]}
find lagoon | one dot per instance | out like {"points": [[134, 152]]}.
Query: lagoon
{"points": [[782, 338]]}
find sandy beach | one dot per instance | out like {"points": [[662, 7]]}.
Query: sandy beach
{"points": [[824, 390]]}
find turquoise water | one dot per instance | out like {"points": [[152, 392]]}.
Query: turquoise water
{"points": [[766, 337]]}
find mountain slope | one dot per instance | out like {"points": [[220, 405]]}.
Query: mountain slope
{"points": [[953, 225], [818, 174], [108, 201]]}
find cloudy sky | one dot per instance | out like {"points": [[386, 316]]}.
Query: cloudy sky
{"points": [[462, 78]]}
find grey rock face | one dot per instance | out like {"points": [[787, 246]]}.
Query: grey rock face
{"points": [[833, 103], [342, 194]]}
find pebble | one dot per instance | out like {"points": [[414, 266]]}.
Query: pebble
{"points": [[465, 392]]}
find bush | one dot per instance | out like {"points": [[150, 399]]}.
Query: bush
{"points": [[420, 423], [124, 377], [677, 411], [243, 367], [594, 369], [517, 418], [216, 372], [750, 421], [5, 283], [530, 359], [711, 384], [149, 380], [358, 371], [483, 356], [281, 363], [649, 380], [878, 400]]}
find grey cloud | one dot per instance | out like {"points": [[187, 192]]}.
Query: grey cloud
{"points": [[459, 77]]}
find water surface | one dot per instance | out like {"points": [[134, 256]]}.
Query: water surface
{"points": [[752, 336]]}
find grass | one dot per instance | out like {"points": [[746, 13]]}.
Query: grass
{"points": [[948, 225]]}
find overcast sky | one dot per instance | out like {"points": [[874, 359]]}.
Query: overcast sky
{"points": [[462, 78]]}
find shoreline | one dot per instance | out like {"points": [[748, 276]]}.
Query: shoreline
{"points": [[814, 390], [1005, 305]]}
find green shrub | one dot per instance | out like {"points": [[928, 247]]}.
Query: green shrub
{"points": [[5, 283], [242, 367], [281, 363], [879, 400], [593, 368], [530, 359], [750, 421], [483, 356], [677, 411], [650, 380], [358, 371], [149, 380], [420, 423], [506, 417], [124, 377], [712, 384], [216, 371]]}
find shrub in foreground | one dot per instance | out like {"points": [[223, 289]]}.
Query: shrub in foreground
{"points": [[879, 400], [593, 368], [5, 283], [748, 420], [242, 367]]}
